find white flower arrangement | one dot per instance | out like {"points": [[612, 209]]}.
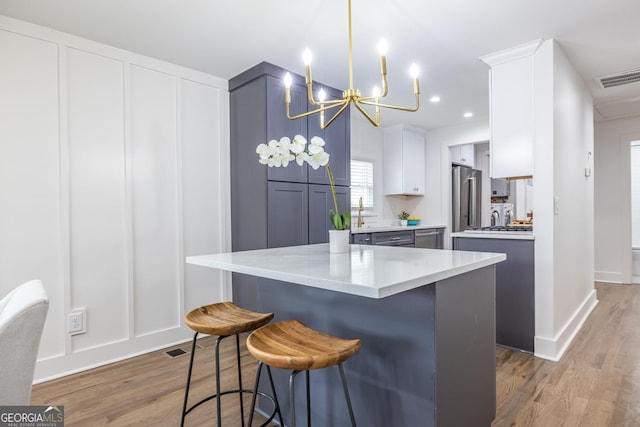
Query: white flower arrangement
{"points": [[281, 153]]}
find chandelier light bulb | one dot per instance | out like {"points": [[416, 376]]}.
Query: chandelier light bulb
{"points": [[376, 92], [383, 47], [322, 96], [414, 71], [307, 57], [287, 80]]}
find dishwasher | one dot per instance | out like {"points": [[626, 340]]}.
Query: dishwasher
{"points": [[429, 238]]}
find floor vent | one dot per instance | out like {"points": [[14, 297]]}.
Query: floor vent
{"points": [[176, 353], [624, 78]]}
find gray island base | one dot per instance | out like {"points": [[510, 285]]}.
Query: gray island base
{"points": [[428, 352]]}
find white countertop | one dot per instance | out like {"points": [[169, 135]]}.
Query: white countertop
{"points": [[368, 271], [507, 235], [378, 229]]}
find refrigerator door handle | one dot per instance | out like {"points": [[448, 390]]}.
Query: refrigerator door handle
{"points": [[472, 202], [456, 200]]}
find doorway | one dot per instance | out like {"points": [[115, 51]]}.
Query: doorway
{"points": [[635, 211]]}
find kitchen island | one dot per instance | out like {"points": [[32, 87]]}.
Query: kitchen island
{"points": [[426, 319]]}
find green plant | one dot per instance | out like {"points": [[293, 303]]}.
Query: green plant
{"points": [[339, 221], [403, 215]]}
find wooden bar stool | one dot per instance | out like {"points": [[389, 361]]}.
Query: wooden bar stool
{"points": [[293, 346], [225, 319]]}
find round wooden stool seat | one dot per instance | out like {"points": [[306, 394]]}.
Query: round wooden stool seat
{"points": [[225, 318], [292, 345]]}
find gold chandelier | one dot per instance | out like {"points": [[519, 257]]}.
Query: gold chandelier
{"points": [[350, 95]]}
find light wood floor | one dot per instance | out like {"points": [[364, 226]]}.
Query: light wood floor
{"points": [[597, 382]]}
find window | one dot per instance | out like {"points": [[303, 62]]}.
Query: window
{"points": [[361, 184]]}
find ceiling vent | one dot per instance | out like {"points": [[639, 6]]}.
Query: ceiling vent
{"points": [[624, 78]]}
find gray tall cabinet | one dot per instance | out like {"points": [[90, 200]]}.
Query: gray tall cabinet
{"points": [[273, 207]]}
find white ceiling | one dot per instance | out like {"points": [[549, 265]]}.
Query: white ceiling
{"points": [[445, 38]]}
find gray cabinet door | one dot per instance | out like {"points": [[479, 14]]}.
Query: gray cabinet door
{"points": [[278, 125], [287, 213], [320, 201], [337, 138], [515, 288]]}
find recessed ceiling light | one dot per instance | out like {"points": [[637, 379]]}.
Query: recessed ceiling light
{"points": [[435, 99], [468, 114]]}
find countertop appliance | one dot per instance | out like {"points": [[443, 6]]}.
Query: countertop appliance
{"points": [[496, 215], [466, 198], [501, 214]]}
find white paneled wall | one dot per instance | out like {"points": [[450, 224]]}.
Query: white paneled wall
{"points": [[96, 194], [30, 230], [113, 168], [154, 194]]}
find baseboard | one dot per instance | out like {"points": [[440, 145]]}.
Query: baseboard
{"points": [[609, 277], [66, 364], [553, 349]]}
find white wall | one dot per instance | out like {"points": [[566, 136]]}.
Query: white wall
{"points": [[367, 145], [613, 198], [113, 168], [564, 248]]}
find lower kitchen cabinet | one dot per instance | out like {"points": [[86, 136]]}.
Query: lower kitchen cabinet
{"points": [[385, 238], [515, 287], [288, 213], [320, 201], [361, 239], [393, 238]]}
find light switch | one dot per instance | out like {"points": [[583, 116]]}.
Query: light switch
{"points": [[556, 205]]}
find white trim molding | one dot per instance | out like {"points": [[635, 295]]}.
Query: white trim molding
{"points": [[553, 348]]}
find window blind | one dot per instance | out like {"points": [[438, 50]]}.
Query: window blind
{"points": [[361, 184]]}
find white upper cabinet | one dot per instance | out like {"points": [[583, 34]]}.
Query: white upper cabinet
{"points": [[463, 155], [404, 161], [512, 118]]}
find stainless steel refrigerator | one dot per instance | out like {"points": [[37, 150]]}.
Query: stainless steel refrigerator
{"points": [[466, 196]]}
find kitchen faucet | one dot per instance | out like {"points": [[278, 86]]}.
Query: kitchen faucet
{"points": [[360, 221]]}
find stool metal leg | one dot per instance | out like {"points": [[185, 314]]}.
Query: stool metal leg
{"points": [[275, 397], [239, 379], [292, 397], [186, 391], [218, 413], [346, 395], [256, 392], [308, 400]]}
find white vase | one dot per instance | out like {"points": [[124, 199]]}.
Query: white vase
{"points": [[403, 222], [338, 241]]}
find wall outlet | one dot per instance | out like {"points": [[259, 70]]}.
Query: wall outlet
{"points": [[77, 322], [556, 205]]}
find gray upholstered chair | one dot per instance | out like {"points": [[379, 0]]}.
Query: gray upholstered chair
{"points": [[22, 315]]}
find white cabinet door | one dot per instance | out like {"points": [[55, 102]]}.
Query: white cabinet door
{"points": [[404, 161], [512, 118], [413, 162], [463, 155]]}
